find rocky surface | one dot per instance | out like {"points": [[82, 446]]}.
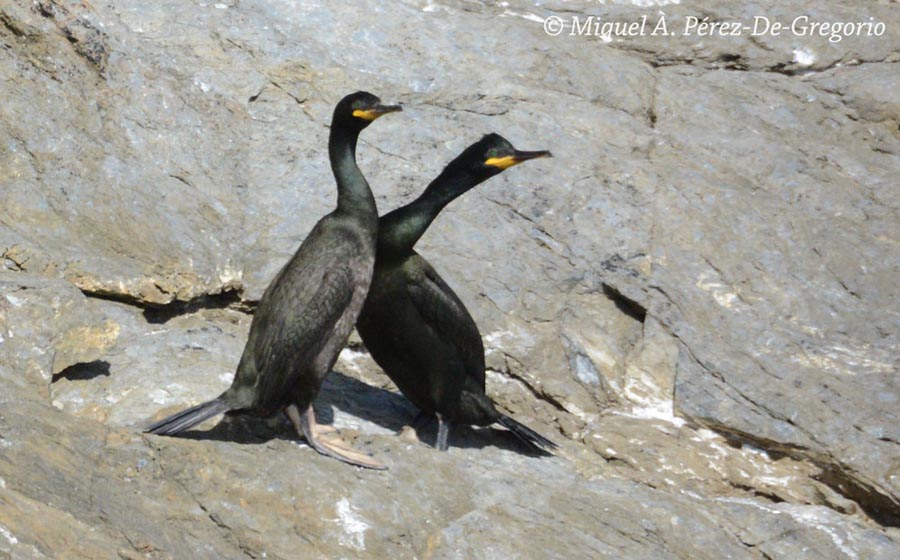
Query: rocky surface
{"points": [[696, 297]]}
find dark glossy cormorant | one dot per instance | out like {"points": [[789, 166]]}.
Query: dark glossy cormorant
{"points": [[306, 314], [412, 323]]}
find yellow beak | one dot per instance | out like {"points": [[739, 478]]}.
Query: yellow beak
{"points": [[375, 112], [516, 158]]}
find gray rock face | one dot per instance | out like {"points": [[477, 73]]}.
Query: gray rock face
{"points": [[696, 297]]}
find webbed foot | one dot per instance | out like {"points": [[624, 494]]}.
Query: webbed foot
{"points": [[305, 424], [410, 432]]}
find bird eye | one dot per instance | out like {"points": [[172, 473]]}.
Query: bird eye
{"points": [[492, 153]]}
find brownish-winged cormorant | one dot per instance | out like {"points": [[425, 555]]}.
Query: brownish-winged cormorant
{"points": [[305, 315], [412, 323]]}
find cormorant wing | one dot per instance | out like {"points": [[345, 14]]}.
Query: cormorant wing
{"points": [[444, 312], [295, 334]]}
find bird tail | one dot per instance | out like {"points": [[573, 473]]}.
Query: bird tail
{"points": [[528, 435], [188, 418]]}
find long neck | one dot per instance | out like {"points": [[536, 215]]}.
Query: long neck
{"points": [[354, 194], [399, 230]]}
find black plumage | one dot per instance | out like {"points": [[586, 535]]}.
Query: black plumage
{"points": [[412, 323], [306, 314]]}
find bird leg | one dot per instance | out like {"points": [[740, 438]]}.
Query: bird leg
{"points": [[320, 428], [411, 431], [305, 424], [443, 432]]}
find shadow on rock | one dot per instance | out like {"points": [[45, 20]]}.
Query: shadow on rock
{"points": [[355, 398], [247, 429], [352, 396], [380, 406], [393, 411], [476, 437]]}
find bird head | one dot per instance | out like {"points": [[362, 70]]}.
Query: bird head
{"points": [[492, 155], [358, 110]]}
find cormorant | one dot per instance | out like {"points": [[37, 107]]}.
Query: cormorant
{"points": [[306, 314], [412, 323]]}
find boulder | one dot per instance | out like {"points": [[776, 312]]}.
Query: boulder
{"points": [[696, 297]]}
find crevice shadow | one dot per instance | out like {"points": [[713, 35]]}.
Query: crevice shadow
{"points": [[161, 314], [83, 371]]}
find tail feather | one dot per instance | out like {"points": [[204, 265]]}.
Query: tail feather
{"points": [[528, 435], [188, 418]]}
